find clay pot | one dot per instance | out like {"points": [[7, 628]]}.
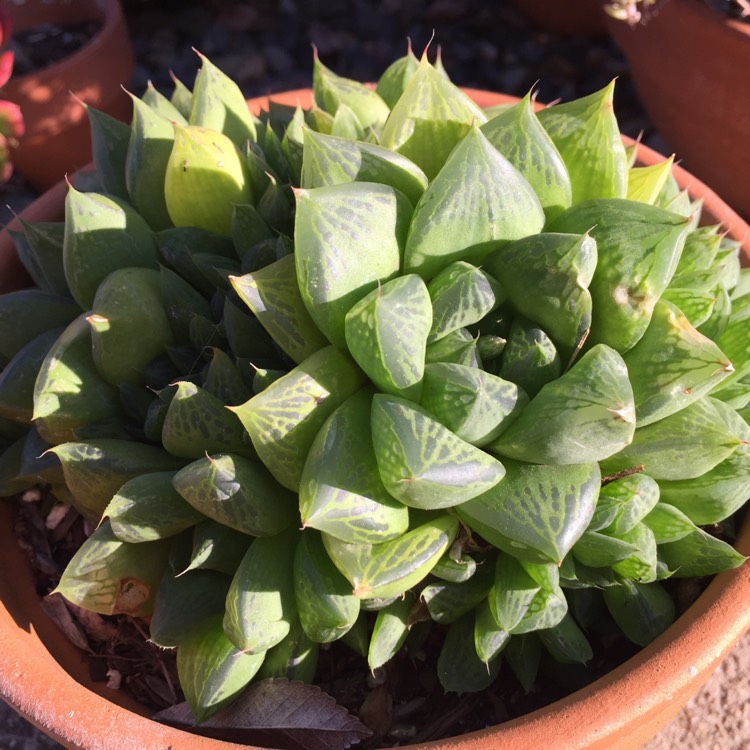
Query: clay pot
{"points": [[42, 674], [567, 17], [57, 139], [690, 64]]}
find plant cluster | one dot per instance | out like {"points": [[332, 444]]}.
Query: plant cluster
{"points": [[325, 374], [11, 119]]}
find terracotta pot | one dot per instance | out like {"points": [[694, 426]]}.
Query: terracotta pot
{"points": [[43, 677], [567, 17], [57, 139], [690, 64]]}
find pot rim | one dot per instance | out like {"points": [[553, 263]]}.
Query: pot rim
{"points": [[675, 664]]}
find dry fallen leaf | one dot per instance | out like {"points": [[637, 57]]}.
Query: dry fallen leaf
{"points": [[278, 713]]}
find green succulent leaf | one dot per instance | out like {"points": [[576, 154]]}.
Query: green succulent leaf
{"points": [[294, 659], [197, 423], [640, 566], [260, 604], [519, 136], [284, 419], [248, 227], [184, 603], [476, 202], [631, 498], [459, 667], [71, 399], [147, 508], [150, 145], [273, 295], [341, 492], [461, 295], [681, 446], [348, 239], [566, 642], [110, 576], [181, 97], [672, 366], [474, 404], [530, 358], [238, 493], [643, 611], [697, 306], [459, 347], [332, 160], [537, 513], [19, 376], [40, 249], [161, 104], [585, 415], [715, 495], [526, 596], [97, 469], [546, 278], [586, 134], [395, 78], [390, 631], [205, 175], [699, 554], [10, 462], [223, 379], [447, 601], [523, 654], [489, 638], [597, 550], [129, 325], [429, 119], [391, 568], [217, 547], [455, 570], [109, 148], [668, 523], [212, 671], [421, 462], [332, 92], [645, 184], [218, 104], [102, 234], [639, 247], [386, 333], [327, 608], [181, 302]]}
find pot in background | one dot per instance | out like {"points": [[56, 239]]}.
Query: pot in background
{"points": [[57, 139], [690, 65]]}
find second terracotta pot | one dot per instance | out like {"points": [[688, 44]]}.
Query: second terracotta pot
{"points": [[57, 138], [690, 65]]}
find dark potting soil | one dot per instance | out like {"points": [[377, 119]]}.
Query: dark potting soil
{"points": [[40, 46]]}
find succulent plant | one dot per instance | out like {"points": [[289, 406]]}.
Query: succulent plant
{"points": [[323, 374], [11, 119]]}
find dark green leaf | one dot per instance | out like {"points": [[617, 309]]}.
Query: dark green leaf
{"points": [[538, 512], [237, 492], [421, 462]]}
